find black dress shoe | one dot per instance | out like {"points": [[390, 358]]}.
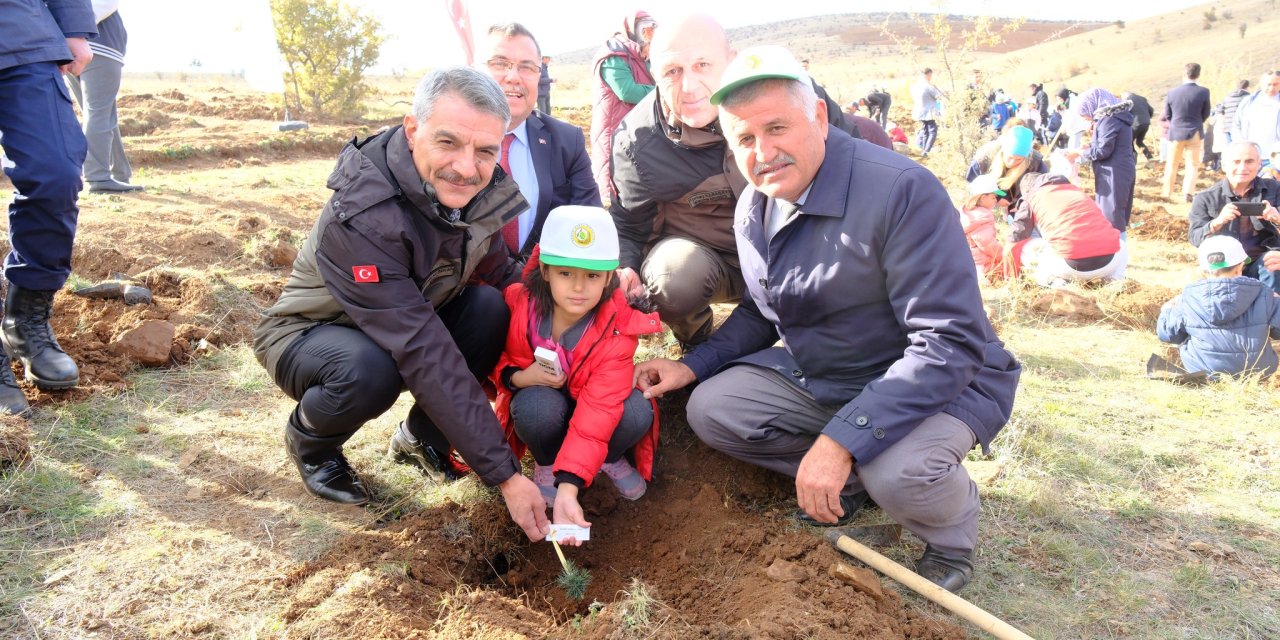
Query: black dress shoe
{"points": [[851, 505], [951, 571], [332, 479], [436, 464]]}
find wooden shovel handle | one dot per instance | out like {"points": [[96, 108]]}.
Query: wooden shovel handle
{"points": [[952, 602]]}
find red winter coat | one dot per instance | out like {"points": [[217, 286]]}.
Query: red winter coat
{"points": [[600, 379]]}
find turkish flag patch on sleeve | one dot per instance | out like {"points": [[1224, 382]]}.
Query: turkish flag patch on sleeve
{"points": [[365, 273]]}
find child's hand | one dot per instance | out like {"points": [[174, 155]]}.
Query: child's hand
{"points": [[535, 375], [568, 511]]}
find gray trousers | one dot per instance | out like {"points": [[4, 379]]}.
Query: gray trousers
{"points": [[684, 278], [755, 415], [96, 90]]}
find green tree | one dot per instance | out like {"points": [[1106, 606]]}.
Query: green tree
{"points": [[950, 52], [327, 46]]}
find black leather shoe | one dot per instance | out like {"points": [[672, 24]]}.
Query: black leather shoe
{"points": [[951, 571], [438, 465], [332, 479], [851, 505], [28, 336], [12, 399]]}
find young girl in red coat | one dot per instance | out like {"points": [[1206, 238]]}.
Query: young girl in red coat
{"points": [[979, 225], [585, 419]]}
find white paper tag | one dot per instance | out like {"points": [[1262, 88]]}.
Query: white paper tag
{"points": [[563, 531]]}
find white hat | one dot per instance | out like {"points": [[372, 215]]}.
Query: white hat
{"points": [[758, 63], [579, 236], [984, 184], [1221, 252]]}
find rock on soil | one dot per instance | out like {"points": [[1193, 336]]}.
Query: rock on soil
{"points": [[860, 578], [148, 344]]}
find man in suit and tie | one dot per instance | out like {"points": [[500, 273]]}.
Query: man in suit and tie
{"points": [[1186, 108], [546, 157]]}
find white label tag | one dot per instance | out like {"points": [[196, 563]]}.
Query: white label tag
{"points": [[562, 531]]}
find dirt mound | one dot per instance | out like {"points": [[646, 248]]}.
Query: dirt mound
{"points": [[15, 442], [229, 107], [205, 314], [1133, 305], [693, 556], [1158, 224], [1127, 304]]}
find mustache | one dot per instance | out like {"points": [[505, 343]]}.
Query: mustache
{"points": [[456, 178], [780, 161]]}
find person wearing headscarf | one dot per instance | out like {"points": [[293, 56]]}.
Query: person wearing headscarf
{"points": [[1111, 153], [1006, 159], [623, 78]]}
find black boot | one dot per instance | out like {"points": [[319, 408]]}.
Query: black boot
{"points": [[28, 336], [11, 397]]}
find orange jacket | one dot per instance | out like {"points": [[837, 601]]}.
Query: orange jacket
{"points": [[600, 379]]}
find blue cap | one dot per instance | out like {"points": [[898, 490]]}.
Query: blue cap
{"points": [[1017, 142]]}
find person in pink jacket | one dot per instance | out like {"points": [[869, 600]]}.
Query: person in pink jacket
{"points": [[979, 222]]}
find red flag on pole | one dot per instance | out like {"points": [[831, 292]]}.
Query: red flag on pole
{"points": [[462, 22]]}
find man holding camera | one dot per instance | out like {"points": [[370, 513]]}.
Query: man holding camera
{"points": [[1242, 205]]}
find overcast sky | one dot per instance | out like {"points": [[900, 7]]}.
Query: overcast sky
{"points": [[234, 35]]}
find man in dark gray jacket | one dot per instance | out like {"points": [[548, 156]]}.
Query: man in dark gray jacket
{"points": [[397, 286], [1214, 212], [888, 372], [39, 41]]}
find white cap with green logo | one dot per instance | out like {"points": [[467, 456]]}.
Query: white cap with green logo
{"points": [[1220, 252], [759, 63], [579, 236]]}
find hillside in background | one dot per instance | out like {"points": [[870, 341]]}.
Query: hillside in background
{"points": [[1231, 41], [848, 53]]}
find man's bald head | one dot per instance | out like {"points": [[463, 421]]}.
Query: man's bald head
{"points": [[687, 56], [687, 29]]}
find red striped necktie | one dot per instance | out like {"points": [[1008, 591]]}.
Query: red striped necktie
{"points": [[510, 231]]}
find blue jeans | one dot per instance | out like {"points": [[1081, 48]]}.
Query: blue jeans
{"points": [[44, 141], [927, 135]]}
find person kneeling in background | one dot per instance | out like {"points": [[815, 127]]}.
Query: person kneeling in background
{"points": [[1224, 323], [1077, 243]]}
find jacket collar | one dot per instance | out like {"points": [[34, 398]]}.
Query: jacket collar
{"points": [[828, 191], [400, 160]]}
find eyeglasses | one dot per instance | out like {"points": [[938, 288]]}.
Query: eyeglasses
{"points": [[502, 66]]}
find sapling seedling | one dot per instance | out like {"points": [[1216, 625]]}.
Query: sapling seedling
{"points": [[573, 579]]}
